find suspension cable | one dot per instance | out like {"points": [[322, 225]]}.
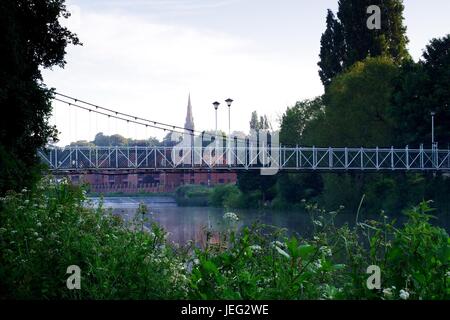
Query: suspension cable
{"points": [[156, 124]]}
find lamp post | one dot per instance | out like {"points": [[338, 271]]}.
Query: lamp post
{"points": [[216, 105], [229, 101], [432, 127]]}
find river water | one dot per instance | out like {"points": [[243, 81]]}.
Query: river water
{"points": [[189, 223]]}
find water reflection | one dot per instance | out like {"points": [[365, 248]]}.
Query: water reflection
{"points": [[190, 223]]}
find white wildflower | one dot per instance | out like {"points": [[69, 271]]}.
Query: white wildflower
{"points": [[404, 294], [326, 251], [255, 248], [231, 216], [317, 223], [39, 239], [318, 264], [278, 244], [387, 292]]}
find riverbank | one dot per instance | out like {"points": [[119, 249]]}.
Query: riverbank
{"points": [[129, 194], [44, 231]]}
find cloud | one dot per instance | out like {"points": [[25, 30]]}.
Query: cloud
{"points": [[147, 68]]}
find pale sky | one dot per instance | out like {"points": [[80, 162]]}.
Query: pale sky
{"points": [[144, 57]]}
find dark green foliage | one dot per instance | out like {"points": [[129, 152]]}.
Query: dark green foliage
{"points": [[30, 37], [420, 89], [192, 195], [252, 181], [358, 106], [298, 118], [332, 50], [46, 230], [376, 103], [361, 42], [293, 187], [348, 40], [221, 194]]}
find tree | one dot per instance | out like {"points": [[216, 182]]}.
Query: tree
{"points": [[421, 88], [263, 123], [296, 119], [332, 50], [359, 106], [30, 37], [293, 187], [252, 181], [349, 40], [361, 42], [254, 123]]}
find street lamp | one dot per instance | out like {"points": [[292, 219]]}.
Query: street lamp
{"points": [[432, 127], [229, 101], [216, 105]]}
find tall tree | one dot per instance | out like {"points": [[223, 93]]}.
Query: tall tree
{"points": [[349, 40], [361, 41], [31, 37], [359, 100], [423, 88], [254, 122], [332, 50]]}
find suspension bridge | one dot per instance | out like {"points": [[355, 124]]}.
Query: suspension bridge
{"points": [[230, 154]]}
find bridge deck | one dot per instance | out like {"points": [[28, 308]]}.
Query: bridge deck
{"points": [[113, 159]]}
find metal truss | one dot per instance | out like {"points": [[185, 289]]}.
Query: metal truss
{"points": [[82, 159]]}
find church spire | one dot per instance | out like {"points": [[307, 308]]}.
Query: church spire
{"points": [[189, 124]]}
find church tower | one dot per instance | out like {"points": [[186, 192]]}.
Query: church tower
{"points": [[189, 124]]}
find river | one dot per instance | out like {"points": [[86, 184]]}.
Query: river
{"points": [[189, 223]]}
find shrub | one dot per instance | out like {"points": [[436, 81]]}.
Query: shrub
{"points": [[45, 231], [221, 193], [192, 195]]}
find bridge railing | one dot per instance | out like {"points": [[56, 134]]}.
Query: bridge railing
{"points": [[243, 158]]}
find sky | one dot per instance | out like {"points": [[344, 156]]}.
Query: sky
{"points": [[144, 57]]}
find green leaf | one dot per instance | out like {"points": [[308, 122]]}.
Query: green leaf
{"points": [[339, 266], [305, 250], [210, 267], [292, 246]]}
